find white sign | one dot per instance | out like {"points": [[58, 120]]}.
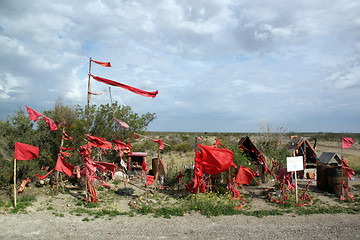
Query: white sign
{"points": [[295, 163]]}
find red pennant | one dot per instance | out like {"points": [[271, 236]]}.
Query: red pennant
{"points": [[51, 124], [244, 176], [347, 142], [33, 115], [104, 64], [159, 141], [25, 152], [132, 89], [63, 166]]}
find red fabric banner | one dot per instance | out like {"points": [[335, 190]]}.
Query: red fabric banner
{"points": [[92, 192], [123, 124], [63, 166], [143, 166], [215, 160], [94, 93], [45, 176], [33, 115], [132, 89], [108, 166], [66, 137], [99, 142], [104, 64], [149, 180], [244, 176], [25, 152], [51, 124], [159, 141], [347, 142]]}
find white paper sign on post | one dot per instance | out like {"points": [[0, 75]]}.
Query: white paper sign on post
{"points": [[295, 163]]}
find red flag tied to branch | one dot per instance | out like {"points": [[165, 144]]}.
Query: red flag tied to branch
{"points": [[25, 152], [104, 64], [159, 141], [33, 115], [347, 142], [132, 89]]}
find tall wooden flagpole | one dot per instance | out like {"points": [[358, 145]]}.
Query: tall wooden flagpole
{"points": [[88, 98], [14, 183]]}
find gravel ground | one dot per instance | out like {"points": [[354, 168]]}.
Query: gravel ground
{"points": [[44, 225]]}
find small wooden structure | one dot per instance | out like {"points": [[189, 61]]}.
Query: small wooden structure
{"points": [[136, 160], [247, 146], [330, 158], [301, 146]]}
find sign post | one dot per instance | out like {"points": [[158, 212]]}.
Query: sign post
{"points": [[295, 164]]}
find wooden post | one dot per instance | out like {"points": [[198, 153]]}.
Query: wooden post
{"points": [[14, 183], [57, 172], [88, 98], [296, 188]]}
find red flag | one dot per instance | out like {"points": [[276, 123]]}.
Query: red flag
{"points": [[123, 124], [149, 180], [347, 142], [99, 142], [94, 93], [244, 176], [63, 166], [159, 141], [132, 89], [51, 124], [25, 152], [215, 160], [33, 115], [45, 176], [104, 64], [143, 166]]}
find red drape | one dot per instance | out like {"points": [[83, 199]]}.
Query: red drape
{"points": [[215, 160], [45, 176], [25, 152], [51, 124], [63, 166], [132, 89], [33, 115], [149, 180], [244, 176], [159, 141], [347, 142], [99, 142], [104, 64]]}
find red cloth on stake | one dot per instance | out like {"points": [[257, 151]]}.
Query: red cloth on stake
{"points": [[143, 166], [347, 142], [159, 141], [92, 192], [104, 64], [149, 180], [33, 115], [244, 176], [66, 137], [122, 123], [51, 124], [108, 166], [99, 142], [132, 89], [25, 152], [215, 160], [63, 166], [45, 176]]}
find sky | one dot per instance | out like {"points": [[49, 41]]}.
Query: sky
{"points": [[219, 65]]}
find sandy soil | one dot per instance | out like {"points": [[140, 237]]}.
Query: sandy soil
{"points": [[41, 221]]}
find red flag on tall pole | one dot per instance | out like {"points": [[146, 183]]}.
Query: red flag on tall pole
{"points": [[347, 142], [132, 89], [104, 64], [25, 152]]}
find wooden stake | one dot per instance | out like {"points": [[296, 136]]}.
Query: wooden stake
{"points": [[88, 98], [57, 172], [296, 188], [14, 183]]}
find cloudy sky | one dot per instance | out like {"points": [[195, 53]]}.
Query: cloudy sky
{"points": [[219, 65]]}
